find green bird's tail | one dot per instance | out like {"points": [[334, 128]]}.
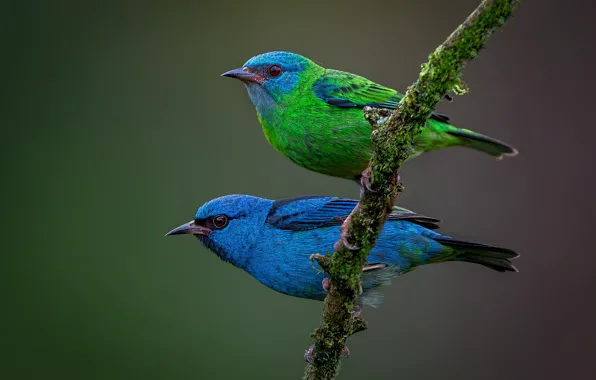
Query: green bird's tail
{"points": [[492, 257], [485, 144], [440, 134]]}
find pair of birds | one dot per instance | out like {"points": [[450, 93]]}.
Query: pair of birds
{"points": [[314, 117]]}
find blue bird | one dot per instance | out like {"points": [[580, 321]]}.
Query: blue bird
{"points": [[273, 241]]}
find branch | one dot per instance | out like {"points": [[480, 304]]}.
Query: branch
{"points": [[392, 137]]}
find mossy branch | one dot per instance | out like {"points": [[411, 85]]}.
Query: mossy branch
{"points": [[393, 134]]}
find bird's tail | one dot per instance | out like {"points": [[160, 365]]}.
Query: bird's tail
{"points": [[492, 257], [482, 143]]}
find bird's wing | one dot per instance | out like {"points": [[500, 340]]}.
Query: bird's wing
{"points": [[400, 213], [346, 90], [306, 213]]}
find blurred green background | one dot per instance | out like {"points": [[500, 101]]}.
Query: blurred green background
{"points": [[116, 126]]}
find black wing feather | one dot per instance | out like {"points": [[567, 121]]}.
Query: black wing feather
{"points": [[310, 212]]}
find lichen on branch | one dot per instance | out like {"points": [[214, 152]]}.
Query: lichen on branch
{"points": [[393, 134]]}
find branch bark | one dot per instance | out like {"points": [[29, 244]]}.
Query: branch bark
{"points": [[392, 137]]}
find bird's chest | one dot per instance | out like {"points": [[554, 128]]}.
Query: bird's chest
{"points": [[335, 142], [282, 263]]}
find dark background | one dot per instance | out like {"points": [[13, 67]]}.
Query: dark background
{"points": [[116, 126]]}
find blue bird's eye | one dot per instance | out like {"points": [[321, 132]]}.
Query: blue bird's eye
{"points": [[220, 221], [274, 71]]}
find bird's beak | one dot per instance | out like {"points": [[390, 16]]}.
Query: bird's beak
{"points": [[242, 74], [190, 228]]}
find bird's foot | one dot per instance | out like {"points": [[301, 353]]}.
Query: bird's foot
{"points": [[326, 284], [345, 237], [345, 352], [312, 259], [365, 182], [356, 311], [309, 357], [308, 354]]}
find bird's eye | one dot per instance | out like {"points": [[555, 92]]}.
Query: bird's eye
{"points": [[274, 71], [220, 221]]}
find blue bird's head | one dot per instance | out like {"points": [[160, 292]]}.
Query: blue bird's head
{"points": [[228, 226], [270, 76]]}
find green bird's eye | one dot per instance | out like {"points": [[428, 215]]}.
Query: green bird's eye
{"points": [[274, 71], [220, 221]]}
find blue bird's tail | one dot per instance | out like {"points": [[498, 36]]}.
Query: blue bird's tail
{"points": [[492, 257]]}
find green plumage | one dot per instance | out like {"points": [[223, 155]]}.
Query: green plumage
{"points": [[314, 116]]}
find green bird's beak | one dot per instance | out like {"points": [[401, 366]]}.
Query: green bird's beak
{"points": [[190, 228], [242, 74]]}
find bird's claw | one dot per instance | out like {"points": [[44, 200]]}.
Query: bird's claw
{"points": [[345, 352], [366, 184], [308, 353], [356, 311], [312, 259], [365, 181], [326, 284], [308, 357], [344, 237]]}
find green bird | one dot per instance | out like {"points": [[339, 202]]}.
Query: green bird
{"points": [[313, 115]]}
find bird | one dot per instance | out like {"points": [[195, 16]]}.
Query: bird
{"points": [[314, 116], [273, 241]]}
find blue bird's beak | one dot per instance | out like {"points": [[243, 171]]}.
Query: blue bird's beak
{"points": [[190, 228], [242, 74]]}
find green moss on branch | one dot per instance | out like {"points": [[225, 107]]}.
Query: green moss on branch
{"points": [[392, 139]]}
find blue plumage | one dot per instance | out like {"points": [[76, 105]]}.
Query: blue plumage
{"points": [[273, 240]]}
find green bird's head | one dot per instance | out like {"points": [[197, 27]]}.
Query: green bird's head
{"points": [[269, 77]]}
